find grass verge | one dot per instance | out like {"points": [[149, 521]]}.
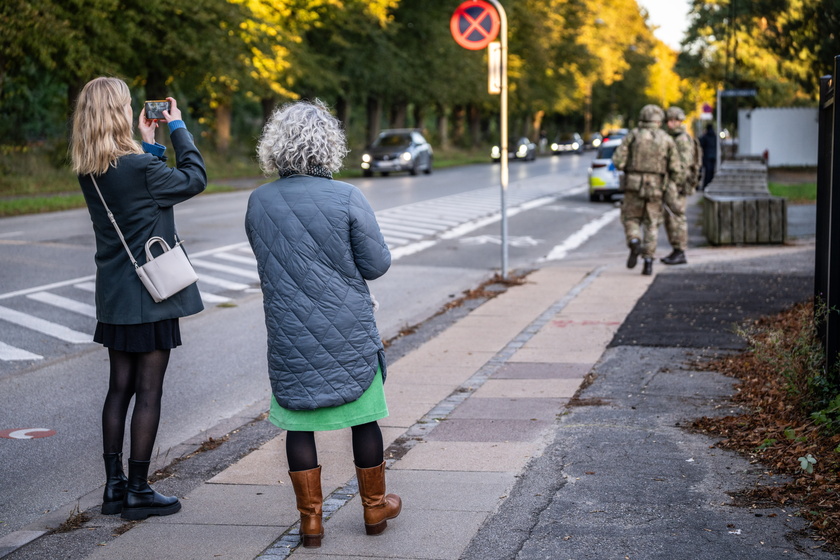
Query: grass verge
{"points": [[801, 193]]}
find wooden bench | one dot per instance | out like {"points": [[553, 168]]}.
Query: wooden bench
{"points": [[738, 207]]}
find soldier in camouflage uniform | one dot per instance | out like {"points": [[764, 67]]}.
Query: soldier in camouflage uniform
{"points": [[648, 157], [674, 200]]}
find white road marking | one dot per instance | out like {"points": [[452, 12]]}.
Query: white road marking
{"points": [[580, 236], [46, 327], [10, 354], [252, 274], [64, 303], [224, 284], [250, 261]]}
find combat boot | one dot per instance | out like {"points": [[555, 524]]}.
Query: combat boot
{"points": [[648, 267], [635, 248], [677, 256]]}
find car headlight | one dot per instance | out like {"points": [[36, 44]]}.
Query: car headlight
{"points": [[554, 147], [575, 146], [522, 150], [406, 156], [596, 143], [366, 158], [495, 152]]}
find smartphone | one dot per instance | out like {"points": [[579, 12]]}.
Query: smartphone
{"points": [[155, 109]]}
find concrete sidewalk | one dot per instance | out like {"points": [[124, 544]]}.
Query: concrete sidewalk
{"points": [[479, 420]]}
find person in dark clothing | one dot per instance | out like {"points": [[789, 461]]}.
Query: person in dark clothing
{"points": [[709, 144], [141, 191]]}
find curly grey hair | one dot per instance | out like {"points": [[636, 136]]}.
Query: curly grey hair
{"points": [[301, 136]]}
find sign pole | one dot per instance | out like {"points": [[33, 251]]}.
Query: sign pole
{"points": [[718, 139], [474, 26], [503, 129]]}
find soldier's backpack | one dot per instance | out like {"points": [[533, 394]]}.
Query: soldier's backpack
{"points": [[695, 168]]}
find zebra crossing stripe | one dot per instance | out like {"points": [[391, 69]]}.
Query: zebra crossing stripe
{"points": [[252, 274], [46, 327], [64, 303], [224, 284], [10, 353], [252, 261]]}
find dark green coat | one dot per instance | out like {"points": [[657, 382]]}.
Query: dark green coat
{"points": [[141, 191]]}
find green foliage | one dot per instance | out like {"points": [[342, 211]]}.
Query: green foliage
{"points": [[807, 463], [767, 444]]}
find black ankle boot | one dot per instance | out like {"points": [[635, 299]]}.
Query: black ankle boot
{"points": [[635, 248], [140, 500], [116, 482], [647, 270], [676, 257]]}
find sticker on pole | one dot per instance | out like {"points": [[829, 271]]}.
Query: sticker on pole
{"points": [[475, 24], [27, 433]]}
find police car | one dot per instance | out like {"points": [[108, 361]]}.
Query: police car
{"points": [[603, 176]]}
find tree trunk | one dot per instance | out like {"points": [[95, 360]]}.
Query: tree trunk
{"points": [[399, 111], [373, 119], [268, 105], [419, 115], [458, 124], [475, 125], [156, 83], [537, 123], [342, 112], [442, 127], [224, 112]]}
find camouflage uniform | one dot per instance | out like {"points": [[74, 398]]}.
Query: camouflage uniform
{"points": [[675, 194], [648, 157]]}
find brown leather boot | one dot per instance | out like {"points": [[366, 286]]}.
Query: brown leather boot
{"points": [[379, 508], [310, 501]]}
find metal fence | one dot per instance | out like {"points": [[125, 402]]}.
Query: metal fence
{"points": [[827, 258]]}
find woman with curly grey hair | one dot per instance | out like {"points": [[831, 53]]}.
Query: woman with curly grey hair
{"points": [[317, 243]]}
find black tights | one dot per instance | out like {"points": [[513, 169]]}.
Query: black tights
{"points": [[138, 375], [367, 448]]}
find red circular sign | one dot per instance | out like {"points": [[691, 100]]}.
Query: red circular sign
{"points": [[475, 24]]}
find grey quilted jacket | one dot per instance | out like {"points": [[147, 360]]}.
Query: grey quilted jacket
{"points": [[316, 241]]}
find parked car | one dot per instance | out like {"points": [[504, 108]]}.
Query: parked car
{"points": [[398, 149], [518, 148], [604, 178], [593, 141], [567, 142]]}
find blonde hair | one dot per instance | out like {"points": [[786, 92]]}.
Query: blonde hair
{"points": [[299, 136], [102, 129]]}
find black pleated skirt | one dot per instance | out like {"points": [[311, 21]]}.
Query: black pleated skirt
{"points": [[145, 337]]}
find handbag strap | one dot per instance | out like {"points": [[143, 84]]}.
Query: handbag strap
{"points": [[116, 227], [114, 222]]}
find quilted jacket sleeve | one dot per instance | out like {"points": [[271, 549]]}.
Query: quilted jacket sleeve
{"points": [[370, 253]]}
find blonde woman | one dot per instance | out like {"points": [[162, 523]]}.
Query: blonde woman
{"points": [[317, 242], [140, 190]]}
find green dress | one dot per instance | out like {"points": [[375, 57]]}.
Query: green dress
{"points": [[367, 408]]}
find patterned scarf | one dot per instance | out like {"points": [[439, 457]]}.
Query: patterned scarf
{"points": [[313, 170]]}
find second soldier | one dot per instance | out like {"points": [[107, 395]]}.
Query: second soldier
{"points": [[648, 156]]}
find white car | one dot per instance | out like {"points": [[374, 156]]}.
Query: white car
{"points": [[603, 176]]}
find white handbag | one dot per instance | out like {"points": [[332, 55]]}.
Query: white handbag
{"points": [[164, 275]]}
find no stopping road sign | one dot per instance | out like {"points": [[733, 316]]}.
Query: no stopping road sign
{"points": [[475, 24]]}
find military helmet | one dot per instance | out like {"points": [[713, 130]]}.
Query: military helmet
{"points": [[651, 113], [675, 113]]}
